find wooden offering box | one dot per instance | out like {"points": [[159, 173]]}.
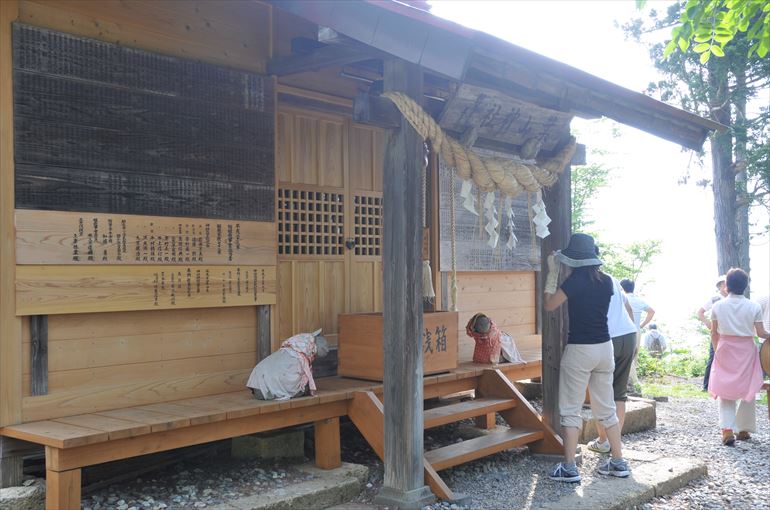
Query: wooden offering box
{"points": [[360, 344]]}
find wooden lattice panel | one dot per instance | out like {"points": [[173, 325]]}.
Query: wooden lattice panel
{"points": [[310, 222], [367, 227]]}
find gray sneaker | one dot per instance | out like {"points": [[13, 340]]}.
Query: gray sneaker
{"points": [[562, 473], [615, 467]]}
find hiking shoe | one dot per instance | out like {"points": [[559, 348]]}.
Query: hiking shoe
{"points": [[562, 473], [615, 467], [743, 436], [728, 438], [596, 446]]}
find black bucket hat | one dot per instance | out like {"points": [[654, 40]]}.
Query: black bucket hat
{"points": [[580, 252]]}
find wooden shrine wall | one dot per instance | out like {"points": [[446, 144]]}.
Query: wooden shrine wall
{"points": [[507, 297], [132, 351]]}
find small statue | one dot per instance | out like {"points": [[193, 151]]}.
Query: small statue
{"points": [[487, 337], [287, 372]]}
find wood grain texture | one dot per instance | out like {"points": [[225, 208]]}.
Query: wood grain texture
{"points": [[104, 128], [39, 353], [62, 489], [233, 33], [10, 326], [404, 157], [75, 289], [77, 238], [327, 443], [361, 345]]}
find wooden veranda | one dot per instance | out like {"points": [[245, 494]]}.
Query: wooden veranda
{"points": [[183, 184]]}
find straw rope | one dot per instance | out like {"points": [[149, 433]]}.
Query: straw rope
{"points": [[509, 176]]}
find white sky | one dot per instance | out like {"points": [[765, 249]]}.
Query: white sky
{"points": [[644, 199]]}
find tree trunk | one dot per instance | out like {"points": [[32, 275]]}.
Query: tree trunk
{"points": [[742, 198], [725, 208]]}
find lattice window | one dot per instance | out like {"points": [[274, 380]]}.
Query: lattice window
{"points": [[310, 222], [367, 228]]}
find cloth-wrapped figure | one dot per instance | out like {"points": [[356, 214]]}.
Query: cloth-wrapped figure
{"points": [[287, 373], [487, 337]]}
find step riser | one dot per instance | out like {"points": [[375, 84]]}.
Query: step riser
{"points": [[470, 413]]}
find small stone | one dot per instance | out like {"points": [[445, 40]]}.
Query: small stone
{"points": [[27, 483], [200, 504], [369, 485]]}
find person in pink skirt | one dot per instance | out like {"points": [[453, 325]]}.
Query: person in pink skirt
{"points": [[736, 374]]}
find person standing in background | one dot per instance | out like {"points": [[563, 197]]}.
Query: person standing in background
{"points": [[736, 375], [721, 293], [638, 305]]}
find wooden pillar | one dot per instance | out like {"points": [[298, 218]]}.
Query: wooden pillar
{"points": [[403, 485], [264, 346], [558, 203], [10, 325], [11, 463], [327, 443], [62, 489], [38, 332], [486, 421]]}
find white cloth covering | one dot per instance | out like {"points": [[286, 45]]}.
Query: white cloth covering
{"points": [[649, 339], [285, 373]]}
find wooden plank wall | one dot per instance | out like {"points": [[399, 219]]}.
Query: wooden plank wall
{"points": [[109, 360], [508, 298]]}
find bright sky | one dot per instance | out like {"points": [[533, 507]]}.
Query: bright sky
{"points": [[644, 199]]}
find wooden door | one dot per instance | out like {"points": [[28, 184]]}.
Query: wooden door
{"points": [[329, 221], [365, 224]]}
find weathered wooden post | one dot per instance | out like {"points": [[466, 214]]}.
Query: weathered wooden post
{"points": [[558, 202], [404, 486]]}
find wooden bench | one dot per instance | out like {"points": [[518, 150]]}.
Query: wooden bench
{"points": [[74, 442]]}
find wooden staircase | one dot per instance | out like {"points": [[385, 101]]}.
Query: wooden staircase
{"points": [[495, 394]]}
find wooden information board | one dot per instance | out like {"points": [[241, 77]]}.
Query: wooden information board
{"points": [[43, 237], [75, 289]]}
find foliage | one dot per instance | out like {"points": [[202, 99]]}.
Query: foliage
{"points": [[679, 362], [729, 90], [656, 388], [708, 26], [586, 180], [628, 261]]}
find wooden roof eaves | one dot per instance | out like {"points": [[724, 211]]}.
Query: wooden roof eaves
{"points": [[449, 49]]}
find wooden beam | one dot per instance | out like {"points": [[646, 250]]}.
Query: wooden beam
{"points": [[38, 331], [376, 111], [264, 345], [11, 464], [404, 483], [10, 325], [555, 324], [327, 56]]}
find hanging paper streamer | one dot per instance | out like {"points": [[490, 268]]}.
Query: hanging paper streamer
{"points": [[541, 219], [469, 201], [508, 211], [490, 214]]}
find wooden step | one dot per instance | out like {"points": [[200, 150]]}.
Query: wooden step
{"points": [[468, 409], [466, 451]]}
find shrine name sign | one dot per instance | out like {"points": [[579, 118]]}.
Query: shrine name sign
{"points": [[360, 344]]}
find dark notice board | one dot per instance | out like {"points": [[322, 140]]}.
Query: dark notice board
{"points": [[104, 128], [472, 251]]}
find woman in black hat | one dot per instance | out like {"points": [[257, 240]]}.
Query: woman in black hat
{"points": [[587, 360]]}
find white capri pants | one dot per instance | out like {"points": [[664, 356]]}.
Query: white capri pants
{"points": [[587, 366]]}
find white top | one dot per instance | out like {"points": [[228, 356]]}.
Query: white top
{"points": [[618, 321], [651, 336], [764, 304], [736, 315], [713, 299], [638, 305]]}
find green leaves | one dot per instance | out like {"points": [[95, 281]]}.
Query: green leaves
{"points": [[713, 24]]}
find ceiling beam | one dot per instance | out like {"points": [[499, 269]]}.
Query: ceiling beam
{"points": [[327, 56]]}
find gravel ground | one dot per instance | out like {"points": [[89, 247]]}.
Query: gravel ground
{"points": [[738, 477]]}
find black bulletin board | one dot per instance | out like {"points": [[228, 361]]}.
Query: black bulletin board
{"points": [[104, 128]]}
